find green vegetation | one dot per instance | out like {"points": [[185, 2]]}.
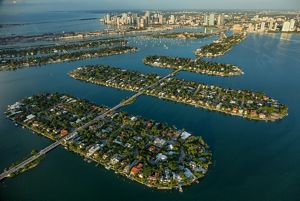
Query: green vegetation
{"points": [[197, 66], [180, 35], [128, 100], [244, 103], [220, 47], [27, 167], [13, 64], [151, 153], [12, 53]]}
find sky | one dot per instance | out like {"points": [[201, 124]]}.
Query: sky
{"points": [[61, 5]]}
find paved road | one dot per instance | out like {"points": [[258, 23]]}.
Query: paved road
{"points": [[100, 117]]}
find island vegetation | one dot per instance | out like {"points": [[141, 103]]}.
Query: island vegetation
{"points": [[13, 64], [62, 48], [180, 35], [151, 153], [221, 46], [28, 166], [75, 36], [197, 65], [244, 103]]}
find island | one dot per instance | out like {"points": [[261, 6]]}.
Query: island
{"points": [[180, 35], [74, 36], [50, 49], [243, 103], [221, 46], [196, 66], [31, 165], [151, 153], [13, 64]]}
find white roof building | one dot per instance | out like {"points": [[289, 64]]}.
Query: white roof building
{"points": [[185, 135], [161, 157], [93, 149]]}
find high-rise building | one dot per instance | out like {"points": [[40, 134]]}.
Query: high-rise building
{"points": [[147, 14], [211, 19], [118, 22], [142, 22], [205, 23], [107, 19], [220, 19], [147, 17], [124, 15], [172, 19], [271, 23], [275, 26], [292, 25], [160, 19], [286, 26], [262, 26], [130, 20]]}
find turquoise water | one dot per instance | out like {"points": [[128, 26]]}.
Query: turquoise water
{"points": [[252, 160]]}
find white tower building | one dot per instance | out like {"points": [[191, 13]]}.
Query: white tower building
{"points": [[292, 25], [211, 19], [286, 26]]}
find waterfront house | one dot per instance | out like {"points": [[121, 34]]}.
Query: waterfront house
{"points": [[185, 135], [64, 133], [29, 117]]}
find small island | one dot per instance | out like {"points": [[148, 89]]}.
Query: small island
{"points": [[243, 103], [62, 48], [13, 64], [196, 66], [180, 35], [31, 165], [151, 153], [221, 46]]}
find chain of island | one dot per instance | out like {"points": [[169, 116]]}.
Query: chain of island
{"points": [[151, 153]]}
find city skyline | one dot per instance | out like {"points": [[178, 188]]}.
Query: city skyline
{"points": [[56, 5]]}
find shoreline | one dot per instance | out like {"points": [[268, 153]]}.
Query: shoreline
{"points": [[179, 99], [16, 53], [220, 42], [83, 55], [106, 162], [155, 62]]}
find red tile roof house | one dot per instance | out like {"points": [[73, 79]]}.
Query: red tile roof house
{"points": [[136, 169], [64, 133]]}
